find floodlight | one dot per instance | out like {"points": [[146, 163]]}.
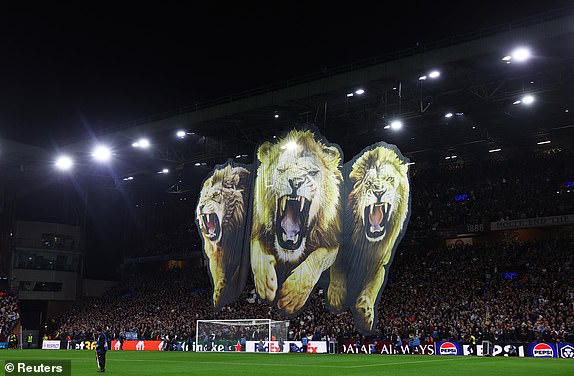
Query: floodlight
{"points": [[434, 74], [101, 153], [422, 78], [141, 143], [543, 142], [494, 150], [183, 133], [520, 54], [448, 115], [359, 91], [396, 124], [527, 99], [64, 163]]}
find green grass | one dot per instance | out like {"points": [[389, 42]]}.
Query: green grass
{"points": [[176, 363]]}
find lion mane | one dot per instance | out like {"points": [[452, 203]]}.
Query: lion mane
{"points": [[221, 217], [377, 210], [296, 218]]}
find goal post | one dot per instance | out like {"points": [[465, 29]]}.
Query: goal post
{"points": [[231, 331]]}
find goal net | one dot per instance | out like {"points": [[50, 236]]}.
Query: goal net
{"points": [[232, 331]]}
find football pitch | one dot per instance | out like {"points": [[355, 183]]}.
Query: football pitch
{"points": [[253, 364]]}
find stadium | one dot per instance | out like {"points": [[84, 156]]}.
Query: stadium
{"points": [[476, 273]]}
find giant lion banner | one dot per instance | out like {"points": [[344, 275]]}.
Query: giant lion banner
{"points": [[302, 220], [221, 217]]}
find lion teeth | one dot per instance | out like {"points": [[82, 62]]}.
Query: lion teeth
{"points": [[301, 203], [386, 207], [377, 228], [283, 204], [295, 238]]}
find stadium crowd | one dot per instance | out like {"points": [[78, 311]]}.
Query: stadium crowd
{"points": [[458, 194], [9, 313], [517, 292]]}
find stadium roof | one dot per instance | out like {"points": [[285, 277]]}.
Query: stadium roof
{"points": [[478, 87]]}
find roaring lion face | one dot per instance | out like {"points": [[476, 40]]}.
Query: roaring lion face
{"points": [[220, 215], [221, 204], [300, 181], [380, 195]]}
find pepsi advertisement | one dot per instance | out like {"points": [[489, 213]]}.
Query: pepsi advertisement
{"points": [[542, 350], [449, 348]]}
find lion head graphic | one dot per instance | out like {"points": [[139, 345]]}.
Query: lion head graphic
{"points": [[296, 217], [221, 216], [376, 215]]}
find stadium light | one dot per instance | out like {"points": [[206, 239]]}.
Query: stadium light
{"points": [[101, 153], [182, 133], [359, 91], [396, 125], [543, 142], [528, 99], [494, 150], [64, 163], [519, 55], [141, 143], [434, 74]]}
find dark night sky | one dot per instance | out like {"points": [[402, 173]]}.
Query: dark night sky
{"points": [[67, 69]]}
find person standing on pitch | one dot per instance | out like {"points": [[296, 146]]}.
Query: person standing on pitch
{"points": [[101, 349], [304, 342]]}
